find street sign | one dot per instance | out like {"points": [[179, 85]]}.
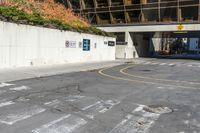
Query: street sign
{"points": [[111, 43], [180, 27], [86, 45], [70, 44]]}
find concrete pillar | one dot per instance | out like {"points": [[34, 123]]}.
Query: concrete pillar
{"points": [[156, 41], [130, 50]]}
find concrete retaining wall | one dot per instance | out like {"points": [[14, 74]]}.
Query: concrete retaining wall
{"points": [[23, 45]]}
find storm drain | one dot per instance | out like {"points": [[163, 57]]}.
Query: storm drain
{"points": [[157, 109]]}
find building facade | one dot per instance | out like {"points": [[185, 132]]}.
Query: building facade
{"points": [[106, 12], [146, 27]]}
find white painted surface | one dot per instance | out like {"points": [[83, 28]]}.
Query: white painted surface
{"points": [[20, 115], [5, 85], [139, 121], [23, 45], [20, 88], [3, 104], [65, 124], [99, 107]]}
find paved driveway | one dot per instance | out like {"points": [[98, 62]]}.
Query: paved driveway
{"points": [[155, 96]]}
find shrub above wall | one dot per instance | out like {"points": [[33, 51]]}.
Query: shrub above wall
{"points": [[13, 14]]}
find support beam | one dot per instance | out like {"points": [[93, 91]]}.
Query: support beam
{"points": [[199, 11], [82, 4], [151, 28], [69, 5]]}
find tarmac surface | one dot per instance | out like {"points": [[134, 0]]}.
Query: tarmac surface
{"points": [[143, 96]]}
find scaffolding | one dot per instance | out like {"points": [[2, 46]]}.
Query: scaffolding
{"points": [[105, 12]]}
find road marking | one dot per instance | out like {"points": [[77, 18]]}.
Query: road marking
{"points": [[53, 102], [139, 121], [146, 63], [189, 65], [141, 81], [66, 124], [73, 98], [178, 81], [97, 103], [162, 64], [171, 64], [3, 104], [26, 113], [99, 107], [5, 85], [20, 88]]}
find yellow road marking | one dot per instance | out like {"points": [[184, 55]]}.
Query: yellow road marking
{"points": [[140, 81], [136, 76]]}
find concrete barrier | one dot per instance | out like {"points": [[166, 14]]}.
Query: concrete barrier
{"points": [[24, 45]]}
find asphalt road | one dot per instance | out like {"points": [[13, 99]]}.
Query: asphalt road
{"points": [[154, 96]]}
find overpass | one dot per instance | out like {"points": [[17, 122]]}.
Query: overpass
{"points": [[146, 40]]}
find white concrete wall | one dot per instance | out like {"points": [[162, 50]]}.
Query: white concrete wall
{"points": [[23, 45]]}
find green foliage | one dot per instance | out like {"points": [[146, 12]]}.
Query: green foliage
{"points": [[12, 14]]}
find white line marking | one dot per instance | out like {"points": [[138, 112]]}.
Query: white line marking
{"points": [[99, 107], [20, 88], [85, 108], [162, 64], [138, 122], [6, 103], [66, 124], [53, 102], [171, 64], [73, 98], [10, 119], [5, 85], [146, 63], [189, 65]]}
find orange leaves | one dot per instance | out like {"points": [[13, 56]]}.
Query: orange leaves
{"points": [[49, 10]]}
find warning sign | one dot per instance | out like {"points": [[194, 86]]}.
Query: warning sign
{"points": [[180, 27]]}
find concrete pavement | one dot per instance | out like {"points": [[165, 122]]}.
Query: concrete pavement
{"points": [[144, 96], [13, 74]]}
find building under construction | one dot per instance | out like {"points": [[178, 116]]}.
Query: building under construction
{"points": [[146, 27]]}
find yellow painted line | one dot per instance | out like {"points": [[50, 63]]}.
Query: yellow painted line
{"points": [[101, 72], [136, 76]]}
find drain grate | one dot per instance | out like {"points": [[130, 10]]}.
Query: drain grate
{"points": [[157, 109]]}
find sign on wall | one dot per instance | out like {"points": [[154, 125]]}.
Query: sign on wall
{"points": [[86, 45], [180, 27], [70, 44], [111, 43]]}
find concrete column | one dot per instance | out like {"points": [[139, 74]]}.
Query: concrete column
{"points": [[128, 39], [130, 50]]}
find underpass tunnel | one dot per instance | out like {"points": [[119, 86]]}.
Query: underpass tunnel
{"points": [[157, 44]]}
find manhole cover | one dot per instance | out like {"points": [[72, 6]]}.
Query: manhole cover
{"points": [[158, 109]]}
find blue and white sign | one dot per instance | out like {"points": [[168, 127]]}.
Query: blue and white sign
{"points": [[86, 45]]}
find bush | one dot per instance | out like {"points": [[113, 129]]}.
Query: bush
{"points": [[12, 14]]}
